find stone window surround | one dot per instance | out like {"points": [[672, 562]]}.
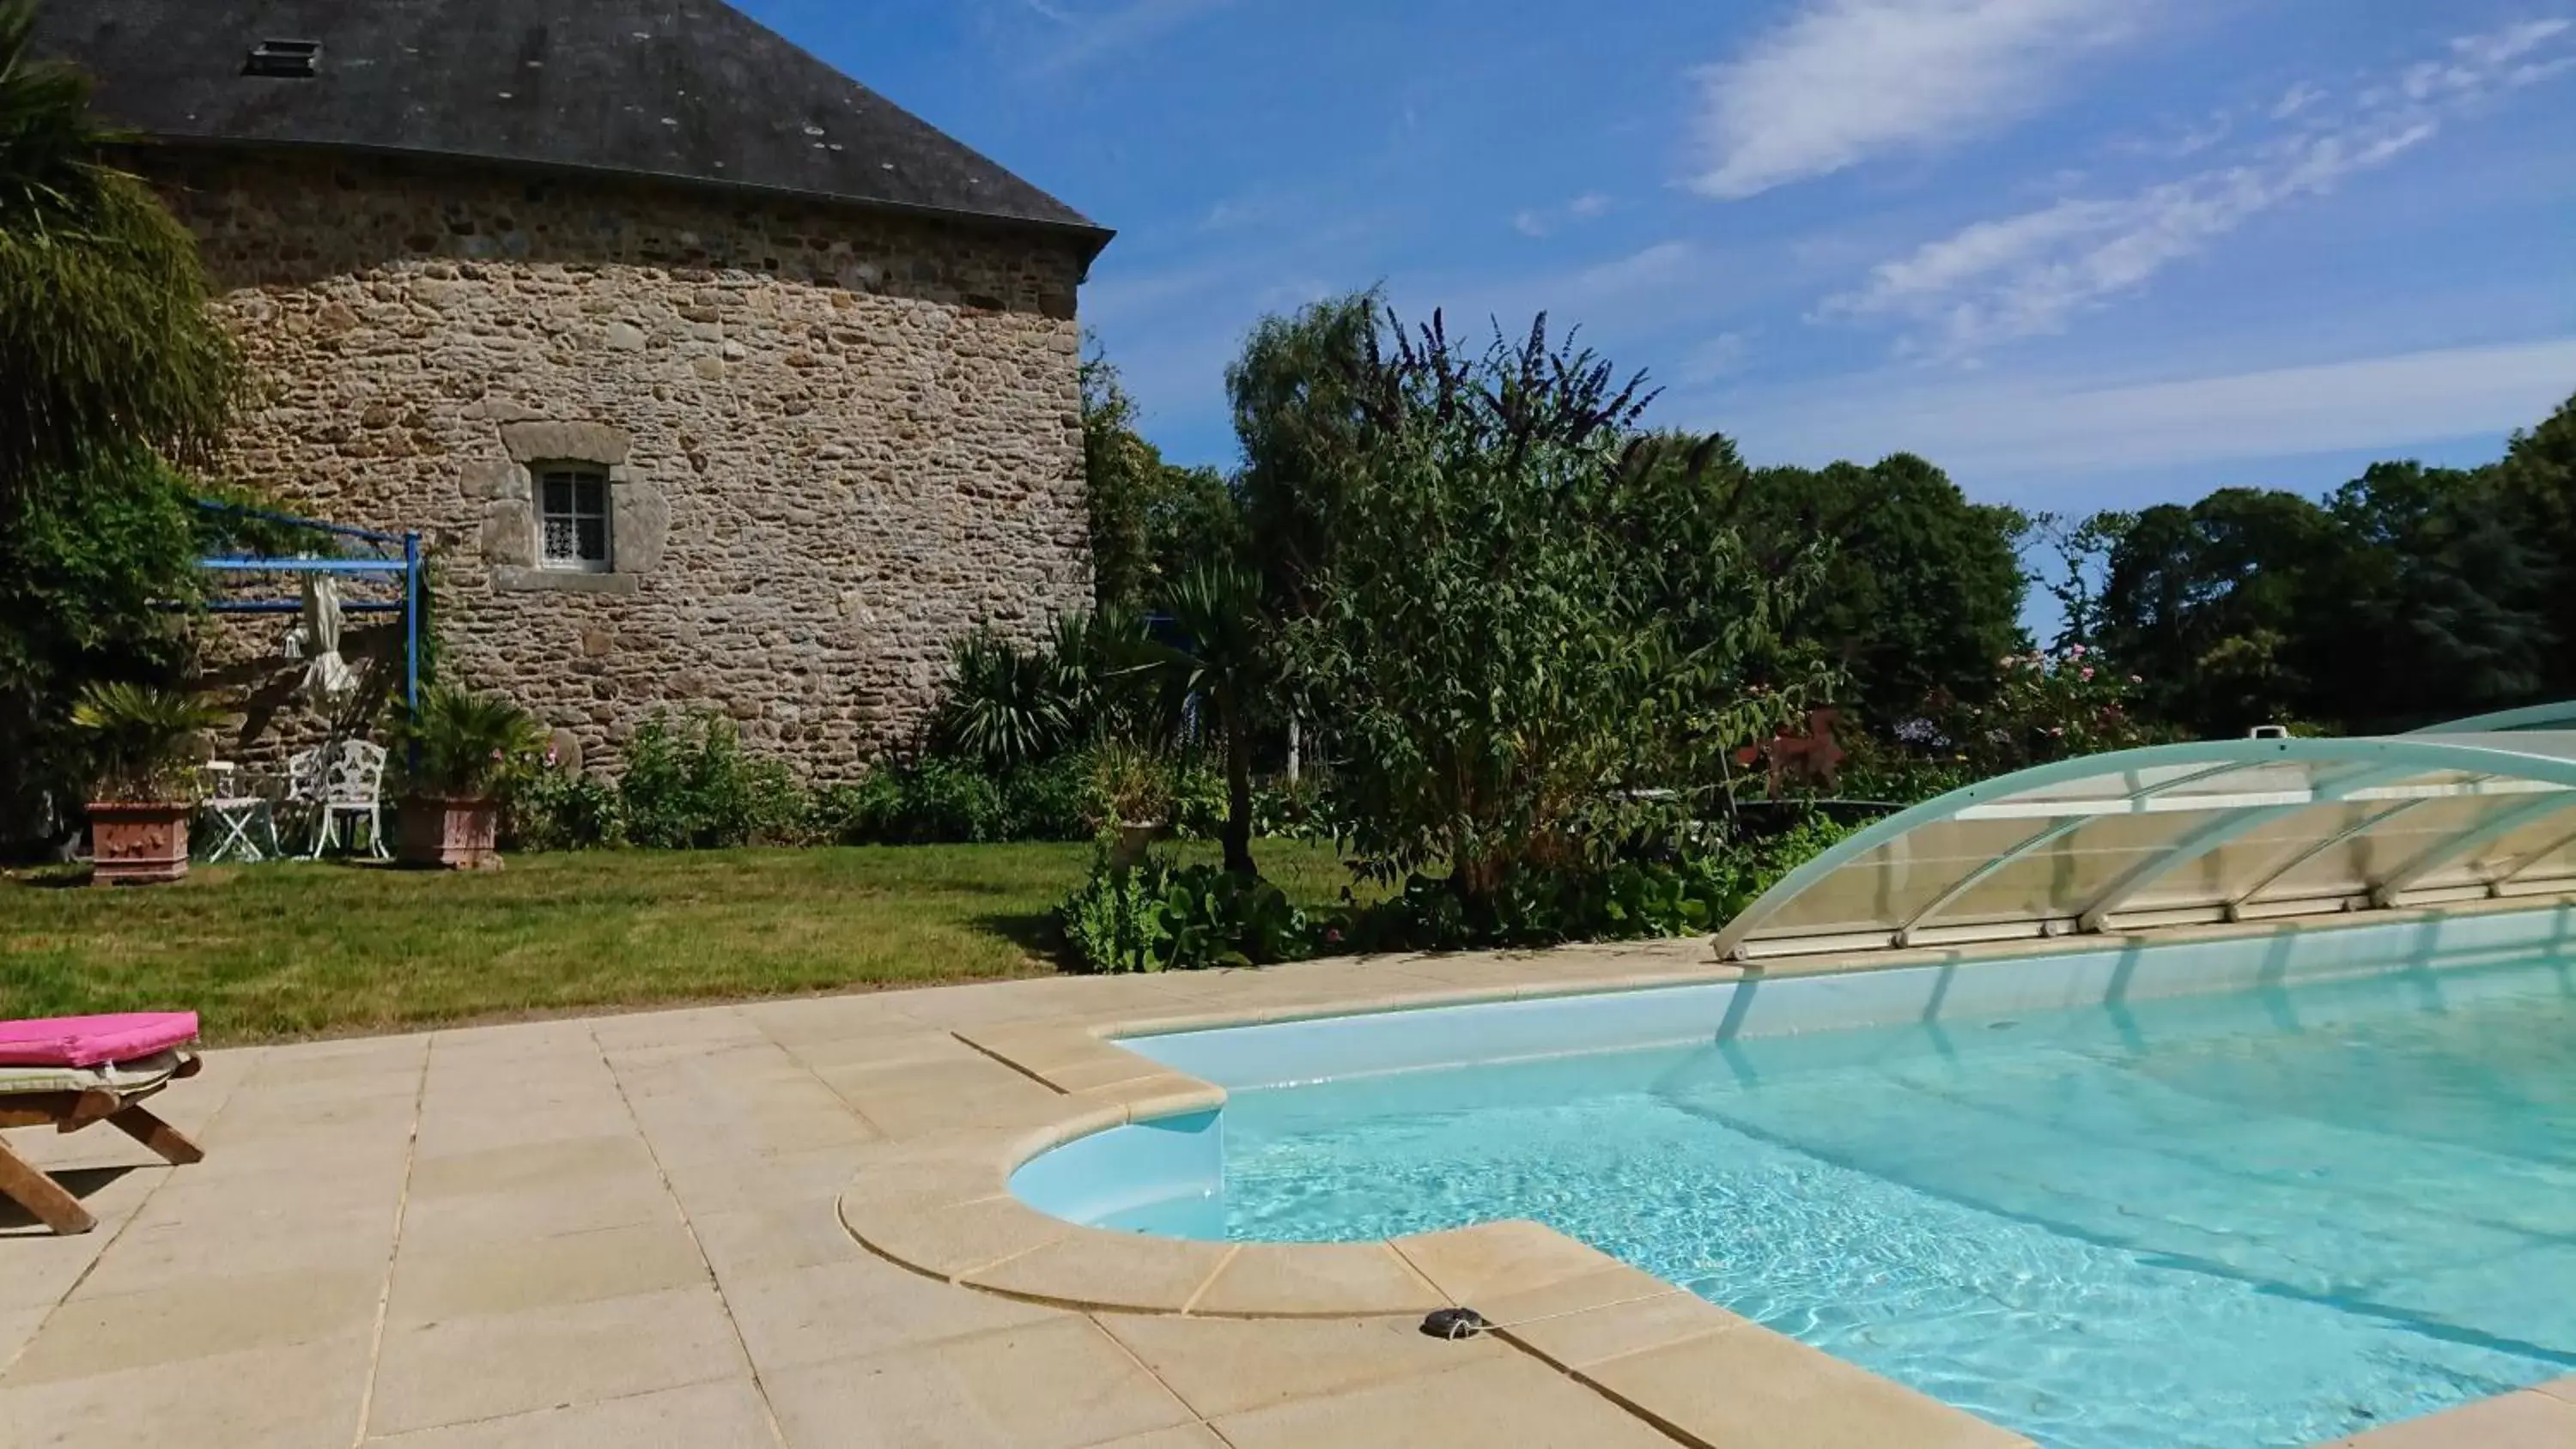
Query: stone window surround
{"points": [[638, 515]]}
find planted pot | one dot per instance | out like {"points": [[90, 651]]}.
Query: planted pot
{"points": [[1132, 840], [449, 832], [139, 842]]}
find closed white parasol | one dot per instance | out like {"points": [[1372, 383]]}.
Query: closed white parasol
{"points": [[328, 679]]}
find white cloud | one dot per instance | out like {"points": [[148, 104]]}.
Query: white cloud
{"points": [[1545, 221], [1845, 80], [1722, 356], [2035, 428], [2032, 273], [1098, 34], [2296, 99]]}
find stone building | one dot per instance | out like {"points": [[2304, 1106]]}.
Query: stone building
{"points": [[714, 378]]}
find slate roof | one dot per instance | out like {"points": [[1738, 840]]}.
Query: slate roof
{"points": [[692, 90]]}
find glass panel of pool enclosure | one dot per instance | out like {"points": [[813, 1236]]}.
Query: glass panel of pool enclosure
{"points": [[2222, 830]]}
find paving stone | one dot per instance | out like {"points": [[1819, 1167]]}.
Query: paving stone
{"points": [[485, 1365], [1751, 1385], [1516, 1401], [533, 1165], [722, 1414], [866, 1306], [777, 1237], [303, 1396], [1184, 1436], [1088, 1268], [1492, 1259], [94, 1333], [960, 1237], [230, 1232], [543, 1272], [43, 1266], [1336, 1280], [735, 1182], [1054, 1385], [616, 1201], [1223, 1366], [2525, 1420], [17, 1327], [1578, 1340]]}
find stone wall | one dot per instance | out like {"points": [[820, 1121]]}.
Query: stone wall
{"points": [[836, 440]]}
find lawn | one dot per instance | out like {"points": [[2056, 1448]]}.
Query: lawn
{"points": [[287, 950]]}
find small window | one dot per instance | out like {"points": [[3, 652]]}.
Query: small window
{"points": [[283, 59], [572, 517]]}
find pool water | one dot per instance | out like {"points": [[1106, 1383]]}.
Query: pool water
{"points": [[2269, 1217]]}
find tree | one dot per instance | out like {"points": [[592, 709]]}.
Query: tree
{"points": [[2535, 493], [1486, 643], [111, 368], [1119, 469], [104, 333], [2216, 606], [1299, 418], [1150, 520], [1921, 591]]}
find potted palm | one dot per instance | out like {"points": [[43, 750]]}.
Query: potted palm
{"points": [[145, 742], [457, 753]]}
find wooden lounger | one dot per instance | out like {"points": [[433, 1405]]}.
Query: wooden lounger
{"points": [[68, 1095]]}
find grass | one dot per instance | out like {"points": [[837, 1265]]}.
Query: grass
{"points": [[287, 950]]}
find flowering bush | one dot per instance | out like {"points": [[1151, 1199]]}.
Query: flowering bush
{"points": [[2048, 707]]}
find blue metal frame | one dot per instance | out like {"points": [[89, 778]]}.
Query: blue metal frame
{"points": [[408, 567]]}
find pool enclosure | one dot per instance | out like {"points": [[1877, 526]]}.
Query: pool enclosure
{"points": [[2222, 830]]}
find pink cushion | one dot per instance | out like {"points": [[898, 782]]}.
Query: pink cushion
{"points": [[86, 1041]]}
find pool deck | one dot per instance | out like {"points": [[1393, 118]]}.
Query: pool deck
{"points": [[784, 1223]]}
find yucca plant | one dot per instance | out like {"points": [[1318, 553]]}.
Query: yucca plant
{"points": [[143, 739], [1005, 705], [462, 745]]}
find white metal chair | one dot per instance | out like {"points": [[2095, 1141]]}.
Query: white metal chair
{"points": [[352, 783], [238, 815]]}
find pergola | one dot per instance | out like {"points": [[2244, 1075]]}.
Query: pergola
{"points": [[2222, 830]]}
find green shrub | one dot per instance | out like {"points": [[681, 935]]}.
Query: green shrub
{"points": [[1198, 802], [689, 784], [556, 810], [1302, 809], [1052, 801], [1156, 916], [1673, 892]]}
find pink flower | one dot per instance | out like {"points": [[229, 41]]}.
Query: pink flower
{"points": [[2088, 676], [2074, 651], [2057, 729]]}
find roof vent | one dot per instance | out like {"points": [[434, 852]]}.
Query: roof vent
{"points": [[289, 59]]}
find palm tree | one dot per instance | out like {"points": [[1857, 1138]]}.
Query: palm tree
{"points": [[105, 340], [1222, 656]]}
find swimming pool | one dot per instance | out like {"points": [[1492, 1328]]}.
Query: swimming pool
{"points": [[2301, 1196]]}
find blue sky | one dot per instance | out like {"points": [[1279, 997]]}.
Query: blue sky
{"points": [[2082, 253]]}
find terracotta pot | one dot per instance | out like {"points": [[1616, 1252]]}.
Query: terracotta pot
{"points": [[446, 832], [139, 843]]}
